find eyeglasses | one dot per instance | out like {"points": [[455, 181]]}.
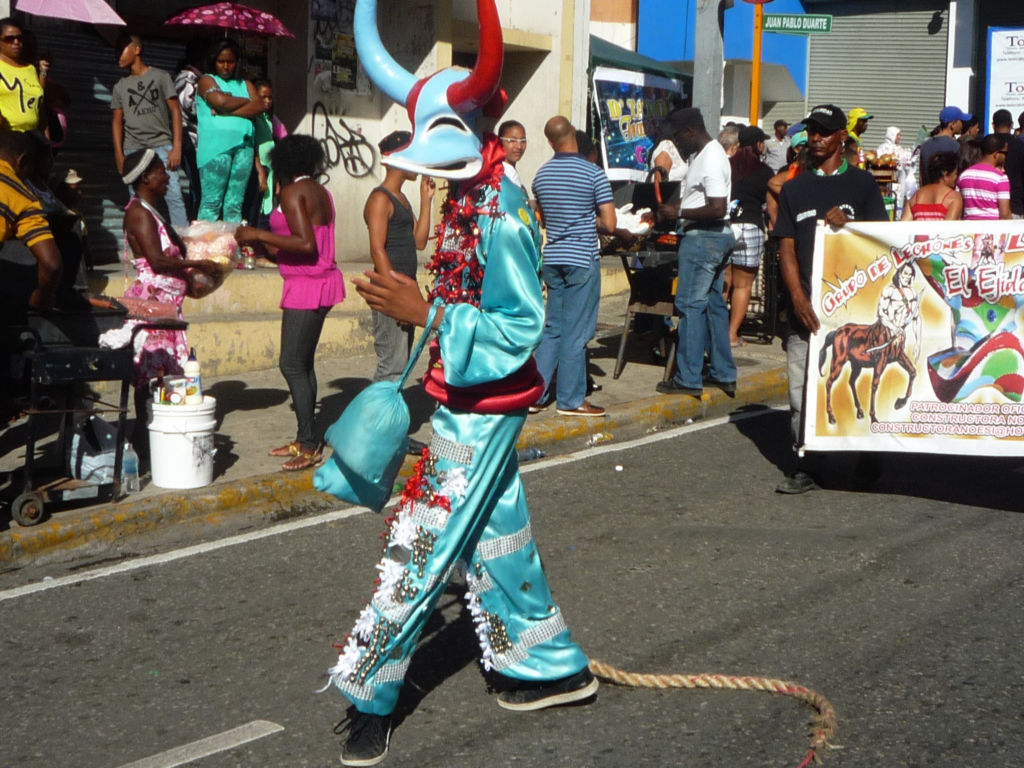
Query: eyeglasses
{"points": [[513, 141], [11, 38]]}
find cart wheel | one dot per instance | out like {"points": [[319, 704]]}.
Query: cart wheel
{"points": [[27, 509]]}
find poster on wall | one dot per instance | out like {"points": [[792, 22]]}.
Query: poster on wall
{"points": [[344, 62], [921, 346], [254, 57], [628, 103], [1005, 71], [334, 63]]}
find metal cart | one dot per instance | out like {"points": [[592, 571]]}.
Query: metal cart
{"points": [[61, 349]]}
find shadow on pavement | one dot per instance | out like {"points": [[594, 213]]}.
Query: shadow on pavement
{"points": [[992, 482], [451, 646], [235, 395]]}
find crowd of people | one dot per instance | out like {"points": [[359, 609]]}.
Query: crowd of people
{"points": [[748, 189], [217, 128]]}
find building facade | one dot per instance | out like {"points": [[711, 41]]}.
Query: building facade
{"points": [[319, 88]]}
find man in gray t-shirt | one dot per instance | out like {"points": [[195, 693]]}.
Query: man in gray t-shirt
{"points": [[146, 115]]}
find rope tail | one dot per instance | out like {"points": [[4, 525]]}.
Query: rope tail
{"points": [[823, 724]]}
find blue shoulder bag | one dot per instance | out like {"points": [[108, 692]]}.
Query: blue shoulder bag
{"points": [[370, 439]]}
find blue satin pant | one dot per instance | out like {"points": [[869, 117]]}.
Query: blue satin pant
{"points": [[472, 469]]}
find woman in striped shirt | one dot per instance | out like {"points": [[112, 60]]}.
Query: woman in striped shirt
{"points": [[984, 185]]}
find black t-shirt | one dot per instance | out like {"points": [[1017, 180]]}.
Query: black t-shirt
{"points": [[805, 200], [1015, 173], [750, 193], [932, 147]]}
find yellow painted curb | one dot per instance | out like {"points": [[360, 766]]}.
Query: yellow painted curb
{"points": [[275, 495]]}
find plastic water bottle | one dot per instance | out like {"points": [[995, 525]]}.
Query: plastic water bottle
{"points": [[530, 454], [130, 470], [193, 380]]}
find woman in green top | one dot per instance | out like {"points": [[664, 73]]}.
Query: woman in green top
{"points": [[224, 153]]}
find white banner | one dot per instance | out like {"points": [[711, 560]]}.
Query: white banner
{"points": [[921, 346], [1005, 73]]}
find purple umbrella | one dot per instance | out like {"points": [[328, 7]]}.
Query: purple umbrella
{"points": [[231, 16], [89, 11]]}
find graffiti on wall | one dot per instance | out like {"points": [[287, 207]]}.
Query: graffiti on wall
{"points": [[342, 145]]}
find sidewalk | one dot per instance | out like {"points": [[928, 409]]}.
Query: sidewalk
{"points": [[254, 414]]}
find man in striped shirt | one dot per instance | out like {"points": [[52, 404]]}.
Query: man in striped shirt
{"points": [[984, 185], [21, 217], [574, 200]]}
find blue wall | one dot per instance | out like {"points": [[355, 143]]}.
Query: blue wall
{"points": [[665, 31]]}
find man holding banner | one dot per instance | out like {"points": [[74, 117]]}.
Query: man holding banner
{"points": [[833, 192]]}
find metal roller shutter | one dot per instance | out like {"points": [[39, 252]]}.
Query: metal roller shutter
{"points": [[83, 62], [892, 63]]}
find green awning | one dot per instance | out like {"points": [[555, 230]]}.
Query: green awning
{"points": [[605, 54]]}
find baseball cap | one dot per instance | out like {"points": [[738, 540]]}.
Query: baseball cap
{"points": [[795, 129], [799, 139], [750, 135], [952, 114], [828, 116], [394, 141], [859, 113], [782, 123]]}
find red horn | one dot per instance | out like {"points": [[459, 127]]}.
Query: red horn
{"points": [[473, 92]]}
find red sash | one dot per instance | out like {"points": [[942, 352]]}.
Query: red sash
{"points": [[513, 393]]}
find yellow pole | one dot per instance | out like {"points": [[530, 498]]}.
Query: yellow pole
{"points": [[755, 66]]}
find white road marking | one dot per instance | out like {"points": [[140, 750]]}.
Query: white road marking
{"points": [[342, 514], [211, 745], [655, 437], [180, 554]]}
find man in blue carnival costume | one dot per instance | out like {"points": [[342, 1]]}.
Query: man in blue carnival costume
{"points": [[464, 507]]}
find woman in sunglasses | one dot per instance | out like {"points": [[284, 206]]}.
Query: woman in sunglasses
{"points": [[21, 100], [513, 140]]}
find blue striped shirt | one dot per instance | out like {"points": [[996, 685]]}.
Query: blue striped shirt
{"points": [[569, 188]]}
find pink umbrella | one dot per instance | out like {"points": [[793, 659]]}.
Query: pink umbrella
{"points": [[230, 16], [89, 11]]}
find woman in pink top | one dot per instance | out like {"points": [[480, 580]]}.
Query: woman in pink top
{"points": [[301, 241], [984, 185]]}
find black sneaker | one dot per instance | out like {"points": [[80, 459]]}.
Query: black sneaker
{"points": [[729, 387], [672, 387], [550, 693], [366, 738], [798, 482]]}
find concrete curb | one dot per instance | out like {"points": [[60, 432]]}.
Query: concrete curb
{"points": [[280, 495]]}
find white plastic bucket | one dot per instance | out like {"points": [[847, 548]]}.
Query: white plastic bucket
{"points": [[181, 444]]}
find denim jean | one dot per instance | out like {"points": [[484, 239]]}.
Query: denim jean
{"points": [[703, 314], [392, 343], [796, 369], [175, 202], [300, 333], [569, 323], [191, 169]]}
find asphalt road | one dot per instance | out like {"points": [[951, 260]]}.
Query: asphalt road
{"points": [[901, 603]]}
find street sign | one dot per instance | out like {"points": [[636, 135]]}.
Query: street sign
{"points": [[798, 23]]}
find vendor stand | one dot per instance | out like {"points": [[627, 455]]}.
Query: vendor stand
{"points": [[630, 95]]}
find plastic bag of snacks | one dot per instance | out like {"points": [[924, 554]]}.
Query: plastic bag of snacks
{"points": [[210, 241]]}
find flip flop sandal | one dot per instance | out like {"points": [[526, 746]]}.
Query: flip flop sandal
{"points": [[303, 460]]}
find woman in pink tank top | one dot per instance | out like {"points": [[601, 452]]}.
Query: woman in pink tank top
{"points": [[301, 241]]}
